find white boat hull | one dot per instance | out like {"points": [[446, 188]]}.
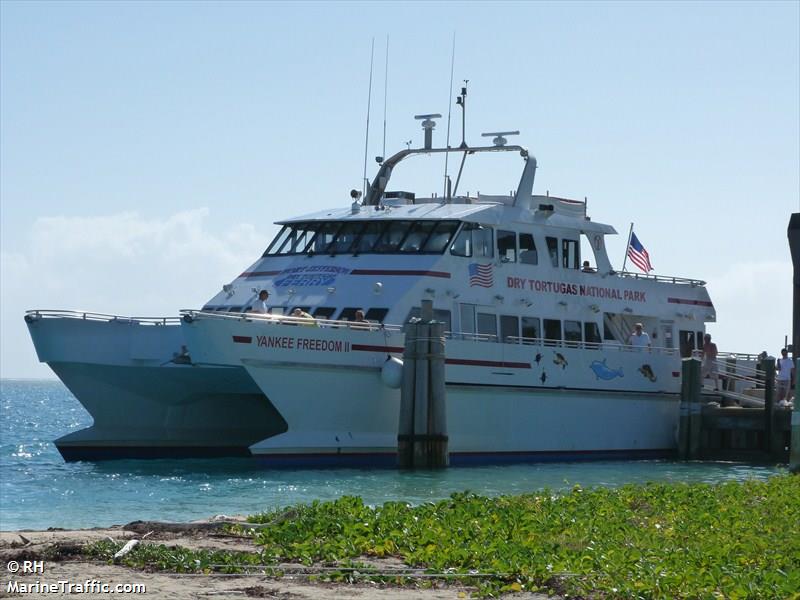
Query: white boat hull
{"points": [[142, 404], [326, 383]]}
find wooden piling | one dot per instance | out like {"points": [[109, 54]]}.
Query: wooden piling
{"points": [[769, 402], [690, 422], [422, 440]]}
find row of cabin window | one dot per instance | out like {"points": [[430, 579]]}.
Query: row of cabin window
{"points": [[364, 237], [427, 237], [511, 326], [376, 315]]}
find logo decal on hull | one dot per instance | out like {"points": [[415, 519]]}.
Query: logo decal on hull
{"points": [[647, 371]]}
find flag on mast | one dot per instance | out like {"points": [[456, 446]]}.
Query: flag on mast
{"points": [[638, 254]]}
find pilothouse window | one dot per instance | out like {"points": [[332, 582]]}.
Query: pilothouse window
{"points": [[363, 237], [473, 240]]}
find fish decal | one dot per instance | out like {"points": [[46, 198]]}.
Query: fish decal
{"points": [[603, 371], [543, 378], [558, 359], [647, 371], [538, 358]]}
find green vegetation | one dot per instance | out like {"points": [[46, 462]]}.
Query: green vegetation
{"points": [[732, 540]]}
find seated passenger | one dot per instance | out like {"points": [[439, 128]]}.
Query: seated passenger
{"points": [[587, 268], [307, 319], [359, 322]]}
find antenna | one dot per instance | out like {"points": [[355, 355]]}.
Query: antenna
{"points": [[369, 105], [449, 110], [462, 102], [385, 88]]}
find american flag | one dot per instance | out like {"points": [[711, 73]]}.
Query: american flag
{"points": [[638, 254], [480, 275]]}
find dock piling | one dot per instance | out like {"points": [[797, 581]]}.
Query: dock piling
{"points": [[769, 401], [422, 440], [690, 422]]}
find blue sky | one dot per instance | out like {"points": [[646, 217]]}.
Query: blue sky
{"points": [[146, 148]]}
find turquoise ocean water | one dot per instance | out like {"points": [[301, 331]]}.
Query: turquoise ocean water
{"points": [[39, 490]]}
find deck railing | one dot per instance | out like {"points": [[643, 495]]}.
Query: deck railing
{"points": [[663, 278], [32, 315], [291, 320]]}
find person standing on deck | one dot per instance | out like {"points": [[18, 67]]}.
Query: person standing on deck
{"points": [[709, 366], [260, 304], [785, 376], [639, 339]]}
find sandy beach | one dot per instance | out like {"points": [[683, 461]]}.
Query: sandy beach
{"points": [[62, 560]]}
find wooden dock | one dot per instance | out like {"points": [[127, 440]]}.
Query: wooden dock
{"points": [[711, 429]]}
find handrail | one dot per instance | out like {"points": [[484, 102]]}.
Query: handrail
{"points": [[41, 313], [290, 320], [663, 278], [607, 345]]}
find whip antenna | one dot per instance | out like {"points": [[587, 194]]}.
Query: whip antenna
{"points": [[369, 105], [385, 88], [446, 193]]}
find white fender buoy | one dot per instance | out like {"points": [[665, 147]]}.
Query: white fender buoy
{"points": [[392, 372]]}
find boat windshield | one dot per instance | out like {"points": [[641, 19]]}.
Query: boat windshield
{"points": [[363, 237]]}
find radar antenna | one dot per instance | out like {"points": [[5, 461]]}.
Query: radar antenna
{"points": [[499, 137], [428, 125]]}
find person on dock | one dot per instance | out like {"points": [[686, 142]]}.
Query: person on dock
{"points": [[785, 375], [260, 303], [709, 366], [639, 339]]}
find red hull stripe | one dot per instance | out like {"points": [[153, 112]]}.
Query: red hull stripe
{"points": [[258, 273], [487, 363], [400, 272], [368, 348], [242, 339], [692, 302]]}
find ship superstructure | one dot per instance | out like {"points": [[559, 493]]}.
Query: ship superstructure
{"points": [[538, 359]]}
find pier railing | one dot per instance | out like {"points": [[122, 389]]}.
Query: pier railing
{"points": [[32, 315]]}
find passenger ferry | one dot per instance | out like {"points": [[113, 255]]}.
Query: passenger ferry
{"points": [[537, 361], [538, 365]]}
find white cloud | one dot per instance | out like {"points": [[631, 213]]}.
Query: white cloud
{"points": [[754, 306], [121, 264]]}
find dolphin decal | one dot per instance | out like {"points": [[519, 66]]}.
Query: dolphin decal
{"points": [[602, 371]]}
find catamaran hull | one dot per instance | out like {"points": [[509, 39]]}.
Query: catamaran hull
{"points": [[142, 404], [327, 385]]}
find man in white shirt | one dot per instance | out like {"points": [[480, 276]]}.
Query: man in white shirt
{"points": [[260, 304], [785, 366], [639, 339]]}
